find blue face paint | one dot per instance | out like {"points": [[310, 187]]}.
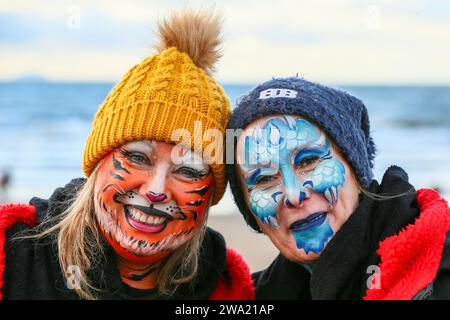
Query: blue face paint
{"points": [[264, 201], [274, 157], [313, 239]]}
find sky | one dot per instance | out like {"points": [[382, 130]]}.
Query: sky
{"points": [[332, 41]]}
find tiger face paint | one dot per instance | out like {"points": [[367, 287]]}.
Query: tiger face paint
{"points": [[146, 204], [294, 179]]}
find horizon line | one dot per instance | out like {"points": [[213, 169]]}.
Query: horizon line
{"points": [[40, 80]]}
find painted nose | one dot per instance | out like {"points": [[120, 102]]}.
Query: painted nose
{"points": [[295, 199], [156, 197]]}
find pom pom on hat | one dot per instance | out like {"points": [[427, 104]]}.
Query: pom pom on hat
{"points": [[195, 33]]}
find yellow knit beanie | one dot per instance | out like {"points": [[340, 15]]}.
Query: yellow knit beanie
{"points": [[168, 91]]}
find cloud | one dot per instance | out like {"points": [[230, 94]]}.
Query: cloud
{"points": [[325, 40]]}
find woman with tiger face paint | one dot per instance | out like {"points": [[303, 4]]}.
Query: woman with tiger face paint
{"points": [[135, 228]]}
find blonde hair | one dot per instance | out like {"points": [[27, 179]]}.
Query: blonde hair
{"points": [[79, 243]]}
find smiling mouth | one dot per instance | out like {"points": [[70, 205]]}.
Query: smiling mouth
{"points": [[310, 222], [147, 219]]}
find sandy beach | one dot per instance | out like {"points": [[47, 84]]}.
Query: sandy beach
{"points": [[257, 250]]}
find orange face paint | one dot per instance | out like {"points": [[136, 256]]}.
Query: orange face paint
{"points": [[147, 205]]}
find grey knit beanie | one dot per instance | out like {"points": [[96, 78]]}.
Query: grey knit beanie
{"points": [[342, 116]]}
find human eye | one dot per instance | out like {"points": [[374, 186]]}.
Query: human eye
{"points": [[135, 157], [191, 173], [306, 164], [264, 180]]}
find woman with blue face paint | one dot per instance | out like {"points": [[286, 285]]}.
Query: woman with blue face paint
{"points": [[302, 175]]}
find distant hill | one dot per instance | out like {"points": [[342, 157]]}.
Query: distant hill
{"points": [[33, 78]]}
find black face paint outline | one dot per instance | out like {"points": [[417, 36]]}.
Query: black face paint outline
{"points": [[196, 203], [146, 271], [194, 215], [116, 176], [140, 277], [200, 191], [118, 165]]}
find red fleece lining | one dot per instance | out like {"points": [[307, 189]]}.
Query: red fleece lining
{"points": [[411, 259], [239, 285], [9, 215]]}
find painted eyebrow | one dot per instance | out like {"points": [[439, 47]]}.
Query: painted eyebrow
{"points": [[311, 150], [251, 175], [247, 171]]}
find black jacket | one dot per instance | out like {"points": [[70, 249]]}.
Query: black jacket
{"points": [[342, 270]]}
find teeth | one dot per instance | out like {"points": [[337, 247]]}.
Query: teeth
{"points": [[136, 215], [159, 220]]}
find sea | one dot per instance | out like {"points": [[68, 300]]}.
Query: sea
{"points": [[44, 126]]}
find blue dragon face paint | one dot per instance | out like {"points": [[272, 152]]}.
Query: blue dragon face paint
{"points": [[285, 160]]}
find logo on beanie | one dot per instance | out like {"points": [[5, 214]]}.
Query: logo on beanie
{"points": [[277, 93]]}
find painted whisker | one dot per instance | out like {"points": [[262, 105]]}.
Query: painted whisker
{"points": [[121, 191]]}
